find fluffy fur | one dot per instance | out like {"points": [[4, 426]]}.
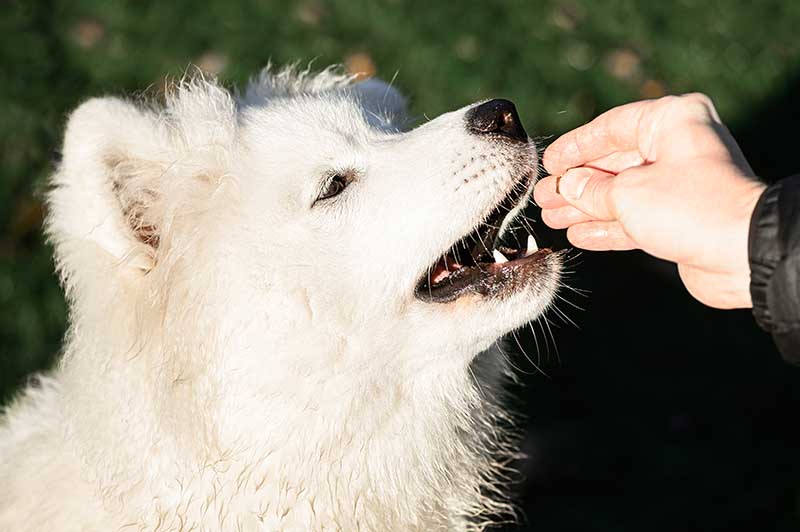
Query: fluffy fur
{"points": [[240, 357]]}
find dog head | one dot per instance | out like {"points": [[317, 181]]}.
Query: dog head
{"points": [[302, 218]]}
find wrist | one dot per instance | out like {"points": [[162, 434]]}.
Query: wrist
{"points": [[722, 290], [721, 279]]}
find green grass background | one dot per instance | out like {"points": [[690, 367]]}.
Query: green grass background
{"points": [[562, 62]]}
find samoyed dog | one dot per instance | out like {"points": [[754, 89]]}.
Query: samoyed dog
{"points": [[276, 299]]}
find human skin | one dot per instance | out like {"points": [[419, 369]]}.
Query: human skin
{"points": [[664, 176]]}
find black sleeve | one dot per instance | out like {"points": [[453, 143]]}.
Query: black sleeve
{"points": [[774, 252]]}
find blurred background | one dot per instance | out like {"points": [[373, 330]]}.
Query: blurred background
{"points": [[652, 412]]}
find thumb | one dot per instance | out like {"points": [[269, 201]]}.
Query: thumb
{"points": [[589, 190]]}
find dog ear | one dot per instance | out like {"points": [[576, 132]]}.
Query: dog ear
{"points": [[131, 175], [97, 207], [384, 105]]}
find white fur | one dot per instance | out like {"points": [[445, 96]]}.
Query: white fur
{"points": [[240, 360]]}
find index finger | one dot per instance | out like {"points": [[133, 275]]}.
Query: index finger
{"points": [[613, 131]]}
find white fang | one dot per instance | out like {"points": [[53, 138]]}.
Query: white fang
{"points": [[499, 258], [531, 247]]}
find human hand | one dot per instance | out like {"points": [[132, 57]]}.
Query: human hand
{"points": [[664, 176]]}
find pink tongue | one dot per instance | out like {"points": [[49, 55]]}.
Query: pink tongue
{"points": [[443, 268]]}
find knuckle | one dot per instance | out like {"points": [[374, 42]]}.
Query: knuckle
{"points": [[698, 105], [579, 140], [600, 195], [668, 100], [699, 97], [621, 188], [615, 189]]}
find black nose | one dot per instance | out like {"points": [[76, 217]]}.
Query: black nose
{"points": [[497, 117]]}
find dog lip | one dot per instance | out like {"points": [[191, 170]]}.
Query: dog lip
{"points": [[472, 257], [484, 279]]}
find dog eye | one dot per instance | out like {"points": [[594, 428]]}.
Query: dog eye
{"points": [[335, 185]]}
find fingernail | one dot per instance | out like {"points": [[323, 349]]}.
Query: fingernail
{"points": [[573, 182]]}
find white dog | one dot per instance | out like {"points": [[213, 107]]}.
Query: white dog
{"points": [[276, 299]]}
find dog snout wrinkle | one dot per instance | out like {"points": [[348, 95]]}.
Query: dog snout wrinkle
{"points": [[496, 117]]}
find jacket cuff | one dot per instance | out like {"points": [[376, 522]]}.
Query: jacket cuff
{"points": [[774, 254]]}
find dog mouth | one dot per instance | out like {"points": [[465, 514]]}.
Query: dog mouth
{"points": [[478, 264]]}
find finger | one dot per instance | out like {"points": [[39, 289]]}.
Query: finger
{"points": [[617, 162], [590, 191], [600, 236], [546, 194], [637, 126], [564, 217], [613, 131]]}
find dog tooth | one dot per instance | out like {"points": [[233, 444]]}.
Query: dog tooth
{"points": [[499, 258], [532, 247]]}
